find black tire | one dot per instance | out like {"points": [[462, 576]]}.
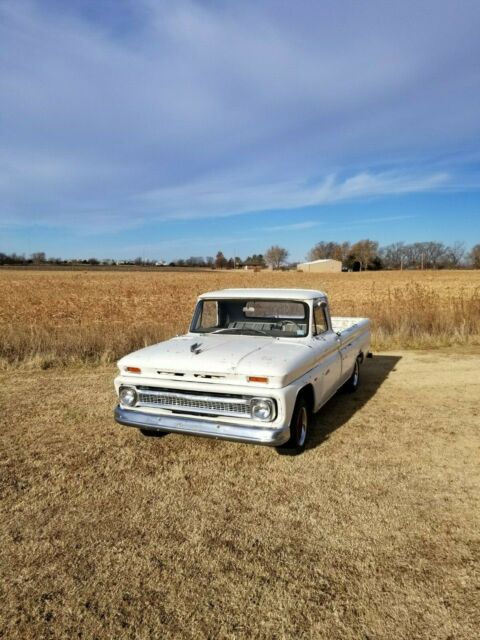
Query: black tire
{"points": [[153, 433], [353, 382], [298, 429]]}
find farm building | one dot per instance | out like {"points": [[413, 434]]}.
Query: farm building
{"points": [[326, 265]]}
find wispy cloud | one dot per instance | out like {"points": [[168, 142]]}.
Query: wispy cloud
{"points": [[296, 226], [385, 219], [219, 199], [188, 110]]}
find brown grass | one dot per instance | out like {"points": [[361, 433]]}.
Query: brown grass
{"points": [[53, 317], [372, 533]]}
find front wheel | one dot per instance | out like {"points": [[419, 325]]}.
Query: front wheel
{"points": [[298, 430], [153, 433]]}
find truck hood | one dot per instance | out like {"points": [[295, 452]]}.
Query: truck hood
{"points": [[224, 358]]}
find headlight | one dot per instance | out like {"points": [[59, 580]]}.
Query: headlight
{"points": [[262, 409], [128, 396]]}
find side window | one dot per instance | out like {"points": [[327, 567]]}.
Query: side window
{"points": [[209, 316], [319, 319]]}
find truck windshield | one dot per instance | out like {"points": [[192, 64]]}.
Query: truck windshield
{"points": [[275, 318]]}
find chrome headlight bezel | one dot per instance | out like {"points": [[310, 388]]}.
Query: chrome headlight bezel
{"points": [[134, 396], [263, 403]]}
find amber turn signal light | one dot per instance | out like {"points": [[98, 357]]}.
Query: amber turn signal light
{"points": [[257, 379], [133, 369]]}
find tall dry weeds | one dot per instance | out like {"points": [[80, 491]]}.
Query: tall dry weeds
{"points": [[417, 316], [73, 318]]}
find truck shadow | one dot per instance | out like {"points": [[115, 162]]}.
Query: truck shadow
{"points": [[343, 406]]}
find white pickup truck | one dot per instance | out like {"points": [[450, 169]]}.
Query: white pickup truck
{"points": [[254, 367]]}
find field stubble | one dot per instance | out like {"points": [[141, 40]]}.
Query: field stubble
{"points": [[371, 533], [61, 317]]}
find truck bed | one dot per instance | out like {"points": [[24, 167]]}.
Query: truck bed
{"points": [[347, 327]]}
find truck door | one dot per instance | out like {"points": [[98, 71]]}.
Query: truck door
{"points": [[326, 344]]}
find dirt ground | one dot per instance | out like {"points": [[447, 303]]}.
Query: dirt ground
{"points": [[372, 533]]}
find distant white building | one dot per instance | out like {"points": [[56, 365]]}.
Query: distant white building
{"points": [[326, 265]]}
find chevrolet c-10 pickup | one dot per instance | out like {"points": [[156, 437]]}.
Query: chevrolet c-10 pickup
{"points": [[254, 367]]}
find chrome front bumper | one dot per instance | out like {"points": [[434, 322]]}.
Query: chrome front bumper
{"points": [[254, 434]]}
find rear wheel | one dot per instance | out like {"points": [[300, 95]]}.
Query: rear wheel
{"points": [[352, 383], [298, 430]]}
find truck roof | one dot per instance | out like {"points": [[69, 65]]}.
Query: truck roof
{"points": [[273, 294]]}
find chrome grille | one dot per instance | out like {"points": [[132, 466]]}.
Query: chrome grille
{"points": [[189, 403]]}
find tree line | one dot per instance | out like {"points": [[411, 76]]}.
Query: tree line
{"points": [[220, 261], [358, 256], [367, 254]]}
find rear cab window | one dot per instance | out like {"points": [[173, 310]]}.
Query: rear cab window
{"points": [[320, 322]]}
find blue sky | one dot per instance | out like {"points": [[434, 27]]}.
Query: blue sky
{"points": [[170, 129]]}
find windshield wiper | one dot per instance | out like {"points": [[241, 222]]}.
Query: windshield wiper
{"points": [[243, 331]]}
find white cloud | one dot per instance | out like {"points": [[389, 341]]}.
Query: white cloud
{"points": [[295, 226], [227, 198], [216, 109]]}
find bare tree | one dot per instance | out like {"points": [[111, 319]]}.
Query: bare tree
{"points": [[195, 261], [276, 256], [434, 253], [475, 256], [395, 256], [345, 249], [425, 255], [365, 251], [39, 257], [454, 254], [324, 250]]}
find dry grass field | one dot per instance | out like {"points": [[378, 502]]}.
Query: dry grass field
{"points": [[62, 317], [373, 533]]}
